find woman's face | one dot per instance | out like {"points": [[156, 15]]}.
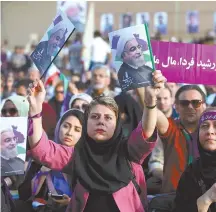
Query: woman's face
{"points": [[207, 135], [9, 110], [70, 131], [101, 123]]}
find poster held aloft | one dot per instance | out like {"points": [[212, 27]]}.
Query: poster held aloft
{"points": [[13, 145], [52, 42], [132, 55]]}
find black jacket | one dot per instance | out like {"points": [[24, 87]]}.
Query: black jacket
{"points": [[190, 188], [130, 78]]}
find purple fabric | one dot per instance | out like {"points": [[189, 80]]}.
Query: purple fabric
{"points": [[210, 115], [186, 63]]}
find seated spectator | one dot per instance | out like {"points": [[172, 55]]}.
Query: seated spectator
{"points": [[197, 187], [40, 181], [80, 101]]}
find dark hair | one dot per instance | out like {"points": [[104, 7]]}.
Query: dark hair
{"points": [[80, 85], [59, 84], [189, 88], [97, 34]]}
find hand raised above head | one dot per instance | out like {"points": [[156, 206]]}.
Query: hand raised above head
{"points": [[36, 96], [151, 92]]}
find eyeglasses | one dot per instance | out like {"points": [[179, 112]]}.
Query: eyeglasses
{"points": [[195, 103], [57, 92], [134, 48], [11, 111], [81, 107]]}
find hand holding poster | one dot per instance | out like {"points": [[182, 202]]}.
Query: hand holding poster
{"points": [[131, 52], [13, 145], [52, 42]]}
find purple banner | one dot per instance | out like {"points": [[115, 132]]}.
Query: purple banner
{"points": [[186, 63]]}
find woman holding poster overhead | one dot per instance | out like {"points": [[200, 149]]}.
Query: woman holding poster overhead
{"points": [[105, 166]]}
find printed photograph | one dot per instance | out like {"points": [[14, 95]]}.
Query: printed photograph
{"points": [[126, 20], [192, 21], [76, 12], [142, 18], [106, 23], [52, 42], [132, 57], [160, 22], [13, 145]]}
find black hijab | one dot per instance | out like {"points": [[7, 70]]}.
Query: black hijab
{"points": [[102, 167], [207, 164]]}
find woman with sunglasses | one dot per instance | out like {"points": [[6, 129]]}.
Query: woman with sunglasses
{"points": [[80, 101], [15, 106], [39, 181], [197, 187], [105, 166]]}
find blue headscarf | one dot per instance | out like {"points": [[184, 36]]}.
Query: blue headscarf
{"points": [[61, 185]]}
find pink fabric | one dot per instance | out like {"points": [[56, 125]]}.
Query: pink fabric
{"points": [[56, 157]]}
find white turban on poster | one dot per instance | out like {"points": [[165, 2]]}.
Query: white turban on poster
{"points": [[121, 44]]}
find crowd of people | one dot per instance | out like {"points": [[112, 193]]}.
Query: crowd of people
{"points": [[103, 149]]}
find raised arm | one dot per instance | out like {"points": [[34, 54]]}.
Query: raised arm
{"points": [[142, 139], [50, 154], [150, 113], [162, 121]]}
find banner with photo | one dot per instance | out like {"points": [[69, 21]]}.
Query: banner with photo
{"points": [[106, 23], [142, 18], [161, 22], [192, 22], [186, 63], [13, 145]]}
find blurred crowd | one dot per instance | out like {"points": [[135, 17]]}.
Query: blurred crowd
{"points": [[18, 71]]}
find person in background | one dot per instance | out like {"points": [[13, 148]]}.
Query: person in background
{"points": [[21, 87], [40, 180], [100, 51], [100, 82], [200, 176], [173, 87], [33, 73], [75, 54], [178, 136], [57, 101], [9, 86], [80, 101], [156, 160]]}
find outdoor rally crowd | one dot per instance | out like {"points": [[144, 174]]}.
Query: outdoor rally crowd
{"points": [[108, 150]]}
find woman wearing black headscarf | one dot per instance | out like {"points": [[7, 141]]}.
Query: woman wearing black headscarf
{"points": [[197, 187], [106, 166]]}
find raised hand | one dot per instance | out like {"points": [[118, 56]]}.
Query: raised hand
{"points": [[36, 96]]}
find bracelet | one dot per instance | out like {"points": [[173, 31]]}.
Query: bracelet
{"points": [[150, 107], [30, 123]]}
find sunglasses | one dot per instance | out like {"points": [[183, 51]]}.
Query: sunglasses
{"points": [[195, 103], [11, 111], [82, 107], [57, 92]]}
